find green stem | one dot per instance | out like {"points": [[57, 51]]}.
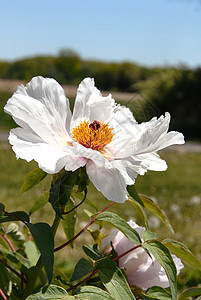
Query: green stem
{"points": [[31, 284]]}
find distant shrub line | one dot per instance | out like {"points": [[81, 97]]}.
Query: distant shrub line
{"points": [[177, 90]]}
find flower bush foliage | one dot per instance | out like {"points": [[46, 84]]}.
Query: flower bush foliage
{"points": [[100, 142]]}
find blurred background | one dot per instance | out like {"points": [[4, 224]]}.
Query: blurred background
{"points": [[148, 54]]}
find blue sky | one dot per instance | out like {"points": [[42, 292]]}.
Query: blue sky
{"points": [[148, 32]]}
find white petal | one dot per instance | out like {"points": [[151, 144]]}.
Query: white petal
{"points": [[172, 138], [40, 115], [49, 92], [109, 182], [27, 145], [128, 169], [90, 105], [97, 157], [150, 161], [147, 137]]}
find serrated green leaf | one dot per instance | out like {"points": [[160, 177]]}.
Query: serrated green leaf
{"points": [[42, 200], [162, 254], [93, 293], [82, 268], [33, 178], [43, 237], [159, 293], [155, 209], [114, 280], [60, 191], [182, 252], [32, 252], [148, 235], [121, 224], [51, 292], [69, 220], [190, 292], [133, 193], [14, 216], [92, 252]]}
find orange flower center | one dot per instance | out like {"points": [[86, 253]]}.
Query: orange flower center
{"points": [[94, 135]]}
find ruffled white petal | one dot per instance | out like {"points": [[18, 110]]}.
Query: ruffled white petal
{"points": [[147, 137], [93, 155], [90, 105], [49, 158], [27, 145], [41, 115], [109, 182]]}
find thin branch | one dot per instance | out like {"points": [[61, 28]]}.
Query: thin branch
{"points": [[16, 217], [8, 242], [83, 280], [83, 229], [128, 251], [3, 295], [13, 270], [95, 271], [67, 212]]}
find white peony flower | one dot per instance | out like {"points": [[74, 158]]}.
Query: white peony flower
{"points": [[141, 270], [100, 135]]}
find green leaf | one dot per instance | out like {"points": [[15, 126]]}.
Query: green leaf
{"points": [[5, 282], [83, 180], [121, 224], [60, 191], [133, 193], [42, 234], [42, 200], [32, 252], [97, 236], [162, 254], [114, 280], [14, 216], [190, 292], [51, 292], [182, 252], [33, 178], [69, 220], [140, 211], [148, 235], [159, 293], [92, 252], [155, 209], [146, 297], [93, 293], [16, 258], [82, 268], [2, 207]]}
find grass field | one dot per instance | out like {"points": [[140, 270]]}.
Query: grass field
{"points": [[177, 191]]}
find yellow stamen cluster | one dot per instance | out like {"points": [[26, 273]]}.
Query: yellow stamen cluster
{"points": [[94, 135]]}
